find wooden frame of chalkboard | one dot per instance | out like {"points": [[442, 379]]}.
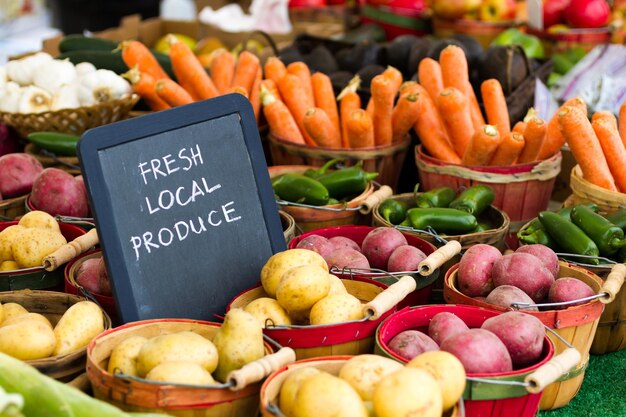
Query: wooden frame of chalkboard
{"points": [[184, 207]]}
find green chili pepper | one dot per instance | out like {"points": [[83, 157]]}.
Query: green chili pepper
{"points": [[297, 188], [618, 218], [394, 211], [442, 219], [569, 236], [316, 173], [332, 201], [535, 225], [437, 197], [474, 200], [539, 237], [347, 181], [608, 237], [57, 143], [406, 222], [483, 226]]}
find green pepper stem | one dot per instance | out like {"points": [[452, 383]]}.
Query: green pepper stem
{"points": [[617, 243], [327, 165], [370, 176]]}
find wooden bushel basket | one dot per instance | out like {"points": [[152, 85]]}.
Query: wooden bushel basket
{"points": [[584, 192], [139, 395], [576, 324], [53, 305], [289, 225], [12, 208], [66, 163]]}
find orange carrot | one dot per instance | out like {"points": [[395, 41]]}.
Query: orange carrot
{"points": [[302, 71], [370, 107], [519, 127], [349, 101], [534, 135], [222, 69], [509, 150], [294, 96], [279, 118], [324, 97], [603, 114], [404, 115], [395, 79], [408, 85], [482, 146], [432, 132], [246, 70], [454, 109], [607, 132], [360, 129], [239, 90], [274, 69], [455, 73], [621, 118], [495, 106], [585, 146], [255, 94], [383, 94], [172, 93], [320, 128], [271, 86], [430, 77], [190, 73], [143, 84], [135, 53], [554, 140]]}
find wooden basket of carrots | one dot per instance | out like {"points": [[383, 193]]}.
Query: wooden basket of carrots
{"points": [[461, 147]]}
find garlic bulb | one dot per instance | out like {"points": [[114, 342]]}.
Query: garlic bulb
{"points": [[52, 75], [66, 97], [83, 68], [3, 78], [22, 70], [100, 86], [34, 100], [10, 98]]}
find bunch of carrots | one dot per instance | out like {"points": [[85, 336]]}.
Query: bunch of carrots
{"points": [[301, 107], [227, 75]]}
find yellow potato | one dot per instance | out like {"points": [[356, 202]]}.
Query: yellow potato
{"points": [[302, 286], [124, 356], [268, 312], [280, 262], [447, 370], [1, 313], [325, 395], [181, 372], [7, 237], [38, 218], [9, 266], [363, 372], [402, 392], [33, 244], [336, 308], [336, 285], [182, 346], [290, 387], [26, 316], [77, 327], [13, 309], [27, 340]]}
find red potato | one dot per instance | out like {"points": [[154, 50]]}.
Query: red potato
{"points": [[524, 271], [17, 174], [444, 325], [480, 351], [410, 343], [505, 295], [380, 243], [569, 289], [405, 258], [318, 244], [57, 193], [344, 242], [474, 274], [81, 184], [521, 333], [92, 275], [545, 254], [347, 258]]}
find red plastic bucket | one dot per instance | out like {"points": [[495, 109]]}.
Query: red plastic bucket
{"points": [[481, 399], [358, 233]]}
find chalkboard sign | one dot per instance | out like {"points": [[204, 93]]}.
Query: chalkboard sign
{"points": [[184, 207]]}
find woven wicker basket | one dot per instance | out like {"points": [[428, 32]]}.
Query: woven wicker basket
{"points": [[585, 192], [74, 121]]}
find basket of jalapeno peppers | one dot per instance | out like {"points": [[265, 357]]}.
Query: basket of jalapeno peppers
{"points": [[54, 149], [583, 235], [323, 197]]}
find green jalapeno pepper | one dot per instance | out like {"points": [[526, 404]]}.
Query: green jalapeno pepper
{"points": [[57, 143], [483, 226], [298, 188], [394, 211], [316, 173], [608, 237], [474, 200], [406, 222], [569, 236], [618, 218], [442, 219], [347, 181], [529, 234], [437, 197]]}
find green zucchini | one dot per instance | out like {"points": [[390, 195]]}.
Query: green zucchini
{"points": [[86, 43], [112, 60]]}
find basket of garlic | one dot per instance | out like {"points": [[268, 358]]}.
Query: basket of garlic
{"points": [[40, 93]]}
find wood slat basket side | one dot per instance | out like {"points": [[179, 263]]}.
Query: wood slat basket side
{"points": [[12, 208]]}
